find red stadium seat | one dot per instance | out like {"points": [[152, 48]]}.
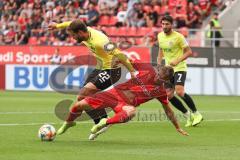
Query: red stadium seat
{"points": [[131, 31], [111, 31], [43, 39], [122, 31], [147, 8], [144, 31], [32, 41], [164, 9], [114, 39], [112, 20], [104, 21], [139, 41], [157, 9]]}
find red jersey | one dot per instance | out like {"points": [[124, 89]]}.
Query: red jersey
{"points": [[132, 92], [144, 88]]}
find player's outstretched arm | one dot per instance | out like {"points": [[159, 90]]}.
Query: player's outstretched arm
{"points": [[54, 26], [170, 114]]}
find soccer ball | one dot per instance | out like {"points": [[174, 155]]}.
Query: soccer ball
{"points": [[47, 132]]}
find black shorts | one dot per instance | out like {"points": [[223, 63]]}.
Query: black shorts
{"points": [[103, 79], [180, 78]]}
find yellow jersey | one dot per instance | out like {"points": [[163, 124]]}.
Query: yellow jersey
{"points": [[96, 43], [172, 47]]}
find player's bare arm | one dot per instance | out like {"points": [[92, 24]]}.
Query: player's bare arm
{"points": [[160, 56], [170, 114], [187, 53]]}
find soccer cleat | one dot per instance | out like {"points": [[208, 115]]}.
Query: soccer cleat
{"points": [[96, 128], [65, 127], [189, 120], [94, 136], [197, 118]]}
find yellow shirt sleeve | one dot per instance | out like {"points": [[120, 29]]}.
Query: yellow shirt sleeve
{"points": [[183, 42], [63, 25], [124, 60]]}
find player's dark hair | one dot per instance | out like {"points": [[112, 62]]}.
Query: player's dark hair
{"points": [[167, 18], [77, 25]]}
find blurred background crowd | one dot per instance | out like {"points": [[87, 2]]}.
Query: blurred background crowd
{"points": [[133, 21]]}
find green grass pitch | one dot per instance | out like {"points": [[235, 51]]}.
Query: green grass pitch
{"points": [[148, 136]]}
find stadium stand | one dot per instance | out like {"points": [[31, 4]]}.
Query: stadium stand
{"points": [[25, 21]]}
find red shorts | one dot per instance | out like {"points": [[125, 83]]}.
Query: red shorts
{"points": [[106, 99]]}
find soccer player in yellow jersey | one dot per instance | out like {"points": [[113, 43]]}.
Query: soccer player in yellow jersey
{"points": [[175, 50], [106, 72]]}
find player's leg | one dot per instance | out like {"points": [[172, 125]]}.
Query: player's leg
{"points": [[91, 86], [175, 101], [74, 113], [180, 78], [123, 115], [179, 105], [87, 90], [99, 80]]}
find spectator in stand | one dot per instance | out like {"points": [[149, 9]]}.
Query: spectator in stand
{"points": [[193, 17], [13, 21], [204, 8], [70, 42], [50, 3], [135, 17], [151, 18], [215, 31], [4, 22], [27, 9], [107, 7], [33, 15], [93, 15], [33, 27], [9, 35], [22, 21], [61, 35], [181, 18], [12, 5], [121, 15], [21, 38]]}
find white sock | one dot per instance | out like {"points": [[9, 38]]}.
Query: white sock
{"points": [[187, 114]]}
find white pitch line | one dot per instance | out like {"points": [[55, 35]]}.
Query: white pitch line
{"points": [[141, 111], [26, 112], [86, 122]]}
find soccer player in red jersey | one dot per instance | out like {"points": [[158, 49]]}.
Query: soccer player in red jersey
{"points": [[125, 97]]}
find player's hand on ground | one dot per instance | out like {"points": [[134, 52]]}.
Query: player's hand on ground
{"points": [[174, 63], [52, 26], [180, 130]]}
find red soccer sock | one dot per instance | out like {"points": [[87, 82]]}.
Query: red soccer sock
{"points": [[73, 114], [120, 117]]}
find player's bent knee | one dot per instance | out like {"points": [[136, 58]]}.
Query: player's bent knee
{"points": [[180, 93], [80, 97], [81, 105]]}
